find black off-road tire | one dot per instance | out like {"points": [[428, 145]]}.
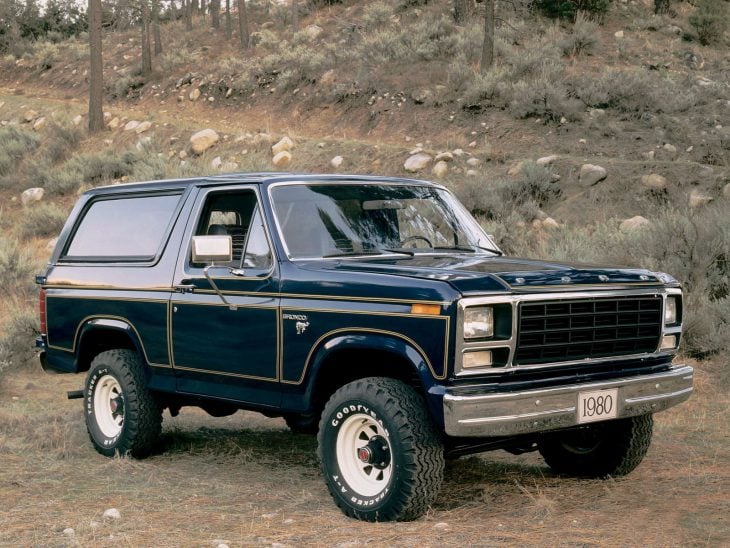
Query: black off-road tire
{"points": [[612, 448], [416, 455], [141, 420], [302, 424]]}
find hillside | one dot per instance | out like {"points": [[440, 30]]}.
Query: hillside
{"points": [[585, 142]]}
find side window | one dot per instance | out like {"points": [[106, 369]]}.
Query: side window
{"points": [[126, 228], [236, 214]]}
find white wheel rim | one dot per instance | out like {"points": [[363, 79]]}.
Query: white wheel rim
{"points": [[109, 406], [355, 434]]}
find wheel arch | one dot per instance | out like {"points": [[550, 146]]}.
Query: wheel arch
{"points": [[347, 356], [98, 334]]}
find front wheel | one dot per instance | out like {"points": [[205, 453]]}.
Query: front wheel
{"points": [[122, 415], [380, 454], [612, 448]]}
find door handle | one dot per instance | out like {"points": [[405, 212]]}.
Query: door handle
{"points": [[184, 288]]}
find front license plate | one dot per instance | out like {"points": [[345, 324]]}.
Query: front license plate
{"points": [[599, 405]]}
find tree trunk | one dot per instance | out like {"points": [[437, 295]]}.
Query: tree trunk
{"points": [[243, 24], [188, 13], [156, 26], [295, 15], [661, 6], [462, 10], [146, 49], [488, 44], [96, 80], [215, 13], [229, 24]]}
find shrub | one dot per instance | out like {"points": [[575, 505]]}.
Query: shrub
{"points": [[90, 168], [710, 20], [18, 334], [60, 141], [15, 143], [42, 220], [567, 9], [376, 14], [17, 267], [583, 37]]}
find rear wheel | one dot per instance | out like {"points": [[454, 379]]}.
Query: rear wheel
{"points": [[380, 454], [122, 415], [612, 448]]}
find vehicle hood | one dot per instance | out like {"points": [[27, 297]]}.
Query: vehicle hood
{"points": [[471, 274]]}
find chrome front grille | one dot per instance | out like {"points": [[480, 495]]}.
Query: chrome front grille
{"points": [[570, 330]]}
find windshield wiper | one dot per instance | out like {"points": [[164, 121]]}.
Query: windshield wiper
{"points": [[369, 252], [470, 248]]}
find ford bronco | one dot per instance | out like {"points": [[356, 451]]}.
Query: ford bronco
{"points": [[372, 311]]}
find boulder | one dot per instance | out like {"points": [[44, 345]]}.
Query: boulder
{"points": [[515, 169], [550, 223], [131, 125], [440, 169], [216, 163], [420, 96], [29, 116], [670, 148], [282, 159], [698, 198], [459, 152], [203, 140], [591, 174], [417, 162], [285, 143], [32, 195], [654, 180], [336, 161], [619, 34], [114, 123], [471, 173], [77, 120], [546, 160], [144, 126], [40, 123], [194, 94], [473, 162], [726, 191], [112, 514], [444, 157], [634, 223], [229, 166], [328, 78]]}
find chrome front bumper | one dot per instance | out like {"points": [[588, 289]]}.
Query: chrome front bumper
{"points": [[469, 414]]}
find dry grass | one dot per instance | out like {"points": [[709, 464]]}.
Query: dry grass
{"points": [[247, 481]]}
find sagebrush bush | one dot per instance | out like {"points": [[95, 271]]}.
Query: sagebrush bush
{"points": [[42, 220], [20, 328], [91, 168], [60, 140], [17, 267], [567, 9], [376, 14], [710, 20], [583, 38], [15, 143]]}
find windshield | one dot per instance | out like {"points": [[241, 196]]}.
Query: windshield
{"points": [[328, 220]]}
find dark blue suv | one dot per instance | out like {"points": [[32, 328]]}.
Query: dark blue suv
{"points": [[372, 311]]}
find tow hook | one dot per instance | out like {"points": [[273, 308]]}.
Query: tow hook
{"points": [[75, 394]]}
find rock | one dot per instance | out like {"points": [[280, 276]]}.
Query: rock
{"points": [[262, 138], [284, 144], [473, 162], [670, 148], [654, 180], [473, 144], [143, 143], [550, 223], [459, 152], [328, 78], [313, 31], [444, 157], [649, 155], [77, 120], [144, 126], [114, 123], [203, 140], [726, 191], [336, 161], [216, 163], [635, 223], [132, 124], [107, 116], [32, 195], [596, 113], [515, 169], [182, 155], [591, 174], [440, 169], [29, 116], [420, 96], [674, 29], [229, 166], [441, 526], [417, 162], [471, 173], [698, 198], [112, 513], [194, 94], [619, 34], [69, 532], [211, 99], [546, 160], [40, 123], [563, 120], [282, 159]]}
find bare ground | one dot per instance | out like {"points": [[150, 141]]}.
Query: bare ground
{"points": [[247, 481]]}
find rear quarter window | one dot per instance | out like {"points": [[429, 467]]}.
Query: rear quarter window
{"points": [[123, 228]]}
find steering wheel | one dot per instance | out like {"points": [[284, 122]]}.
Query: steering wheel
{"points": [[415, 239]]}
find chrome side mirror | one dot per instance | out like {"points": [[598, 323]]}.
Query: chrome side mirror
{"points": [[212, 249]]}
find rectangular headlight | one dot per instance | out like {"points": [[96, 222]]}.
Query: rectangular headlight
{"points": [[478, 322], [481, 358], [670, 311]]}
